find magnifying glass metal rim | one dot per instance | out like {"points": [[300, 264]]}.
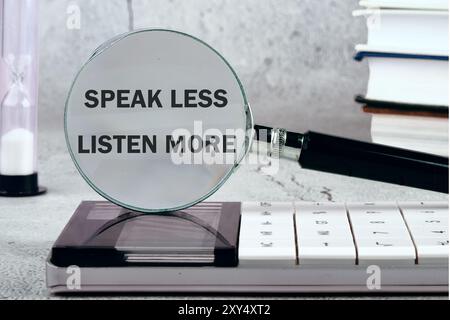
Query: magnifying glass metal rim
{"points": [[249, 125]]}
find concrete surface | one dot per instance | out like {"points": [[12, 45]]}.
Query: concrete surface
{"points": [[29, 226], [294, 58]]}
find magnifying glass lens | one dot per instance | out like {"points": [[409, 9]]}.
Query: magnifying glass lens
{"points": [[156, 121]]}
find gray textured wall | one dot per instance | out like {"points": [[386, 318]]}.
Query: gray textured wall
{"points": [[294, 57]]}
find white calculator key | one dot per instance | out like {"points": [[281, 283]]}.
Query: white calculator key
{"points": [[391, 219], [372, 207], [419, 214], [264, 242], [382, 216], [392, 251], [267, 240], [261, 216], [324, 235], [318, 207], [335, 251], [429, 231], [427, 224], [330, 215], [427, 205], [261, 253], [329, 219], [374, 232], [413, 219], [432, 251], [425, 212], [321, 232], [266, 231], [256, 222], [328, 224], [252, 227], [378, 248], [268, 214], [420, 217], [268, 208]]}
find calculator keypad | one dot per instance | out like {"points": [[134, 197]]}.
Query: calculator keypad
{"points": [[386, 234]]}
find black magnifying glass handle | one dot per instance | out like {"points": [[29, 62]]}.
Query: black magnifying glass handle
{"points": [[354, 158]]}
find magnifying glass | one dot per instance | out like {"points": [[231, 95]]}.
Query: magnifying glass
{"points": [[157, 121]]}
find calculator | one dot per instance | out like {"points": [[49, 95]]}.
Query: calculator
{"points": [[254, 247]]}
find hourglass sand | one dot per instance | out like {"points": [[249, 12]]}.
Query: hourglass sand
{"points": [[19, 96]]}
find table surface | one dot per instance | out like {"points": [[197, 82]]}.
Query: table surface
{"points": [[29, 226]]}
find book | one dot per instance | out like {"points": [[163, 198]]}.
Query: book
{"points": [[407, 52], [406, 4], [377, 106], [423, 131], [410, 30], [406, 76]]}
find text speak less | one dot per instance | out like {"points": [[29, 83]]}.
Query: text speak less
{"points": [[189, 98]]}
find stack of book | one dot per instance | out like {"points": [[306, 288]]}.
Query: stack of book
{"points": [[407, 53]]}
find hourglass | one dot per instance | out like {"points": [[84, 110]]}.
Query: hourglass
{"points": [[19, 96]]}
